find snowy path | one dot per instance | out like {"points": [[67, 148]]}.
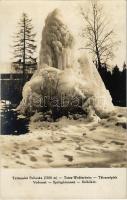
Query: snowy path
{"points": [[67, 143]]}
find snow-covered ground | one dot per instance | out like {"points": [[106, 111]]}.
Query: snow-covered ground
{"points": [[69, 143]]}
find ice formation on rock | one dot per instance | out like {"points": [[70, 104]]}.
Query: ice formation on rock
{"points": [[56, 76], [57, 42]]}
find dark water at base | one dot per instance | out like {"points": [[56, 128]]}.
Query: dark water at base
{"points": [[11, 124]]}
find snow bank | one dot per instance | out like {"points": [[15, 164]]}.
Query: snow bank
{"points": [[57, 85]]}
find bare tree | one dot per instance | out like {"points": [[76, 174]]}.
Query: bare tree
{"points": [[99, 37], [24, 45]]}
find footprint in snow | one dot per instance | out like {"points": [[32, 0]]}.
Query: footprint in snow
{"points": [[21, 163], [5, 166], [33, 148], [92, 129], [17, 156], [39, 138], [78, 148], [33, 159], [24, 151], [49, 160], [70, 158], [16, 146], [117, 143], [47, 156]]}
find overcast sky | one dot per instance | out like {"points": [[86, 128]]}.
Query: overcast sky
{"points": [[11, 11]]}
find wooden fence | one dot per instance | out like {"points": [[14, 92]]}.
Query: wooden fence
{"points": [[11, 86]]}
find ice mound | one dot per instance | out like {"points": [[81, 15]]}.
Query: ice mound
{"points": [[57, 85], [57, 42]]}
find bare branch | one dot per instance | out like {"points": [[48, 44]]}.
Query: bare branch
{"points": [[99, 39]]}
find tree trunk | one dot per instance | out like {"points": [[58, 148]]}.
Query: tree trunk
{"points": [[98, 58], [96, 38], [24, 62]]}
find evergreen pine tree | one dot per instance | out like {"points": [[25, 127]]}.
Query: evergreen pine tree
{"points": [[24, 47]]}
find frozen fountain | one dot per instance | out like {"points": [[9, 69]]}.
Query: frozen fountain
{"points": [[57, 75]]}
